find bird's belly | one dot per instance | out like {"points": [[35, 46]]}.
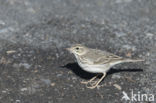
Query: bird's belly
{"points": [[94, 68]]}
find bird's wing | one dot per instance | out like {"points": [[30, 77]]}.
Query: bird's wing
{"points": [[107, 59], [102, 57]]}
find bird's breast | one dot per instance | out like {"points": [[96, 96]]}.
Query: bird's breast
{"points": [[94, 68]]}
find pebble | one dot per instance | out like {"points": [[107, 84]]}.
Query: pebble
{"points": [[116, 76], [117, 86], [59, 75], [18, 101], [10, 51], [149, 35], [24, 89], [53, 84], [26, 65], [4, 91]]}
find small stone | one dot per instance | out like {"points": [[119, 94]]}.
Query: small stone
{"points": [[148, 54], [149, 35], [59, 75], [117, 86], [53, 84], [120, 34], [74, 78], [26, 65], [116, 76], [10, 51], [24, 89], [18, 101], [4, 91], [2, 22]]}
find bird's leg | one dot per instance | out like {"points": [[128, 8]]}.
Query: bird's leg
{"points": [[97, 83], [91, 80]]}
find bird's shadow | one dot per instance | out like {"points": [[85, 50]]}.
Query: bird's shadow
{"points": [[86, 75]]}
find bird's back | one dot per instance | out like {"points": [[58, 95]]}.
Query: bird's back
{"points": [[99, 56]]}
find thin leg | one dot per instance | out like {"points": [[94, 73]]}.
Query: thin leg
{"points": [[90, 80], [94, 86]]}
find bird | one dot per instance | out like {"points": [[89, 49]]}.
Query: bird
{"points": [[96, 61]]}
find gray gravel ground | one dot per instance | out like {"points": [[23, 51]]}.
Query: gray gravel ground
{"points": [[35, 68]]}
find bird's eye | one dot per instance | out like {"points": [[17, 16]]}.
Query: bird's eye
{"points": [[77, 48]]}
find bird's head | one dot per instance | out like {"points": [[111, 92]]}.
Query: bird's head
{"points": [[78, 49]]}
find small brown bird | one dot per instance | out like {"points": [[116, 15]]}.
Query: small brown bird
{"points": [[96, 61]]}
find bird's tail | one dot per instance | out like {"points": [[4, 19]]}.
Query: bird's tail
{"points": [[133, 60]]}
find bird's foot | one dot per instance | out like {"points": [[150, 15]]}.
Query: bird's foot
{"points": [[92, 86], [88, 82], [95, 84]]}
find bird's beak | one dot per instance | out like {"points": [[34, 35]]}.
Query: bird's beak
{"points": [[68, 49]]}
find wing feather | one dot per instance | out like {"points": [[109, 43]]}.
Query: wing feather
{"points": [[100, 57]]}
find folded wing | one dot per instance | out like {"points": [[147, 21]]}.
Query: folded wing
{"points": [[100, 57]]}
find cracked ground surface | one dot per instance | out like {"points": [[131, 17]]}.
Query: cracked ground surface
{"points": [[36, 68]]}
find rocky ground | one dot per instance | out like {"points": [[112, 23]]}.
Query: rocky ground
{"points": [[36, 68]]}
